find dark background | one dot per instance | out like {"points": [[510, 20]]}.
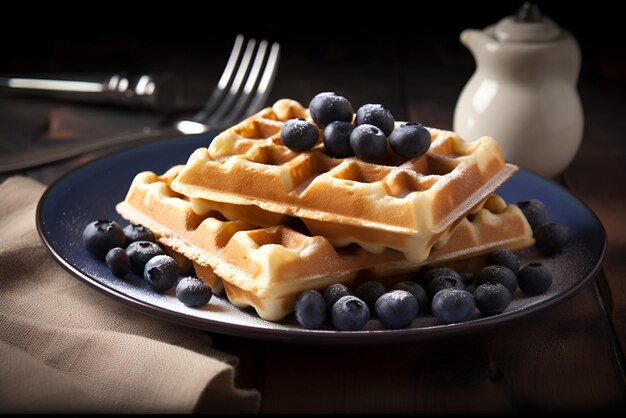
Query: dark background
{"points": [[383, 53], [187, 37]]}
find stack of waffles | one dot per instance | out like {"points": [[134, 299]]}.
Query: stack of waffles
{"points": [[266, 223]]}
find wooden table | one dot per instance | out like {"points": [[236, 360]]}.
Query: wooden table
{"points": [[566, 359]]}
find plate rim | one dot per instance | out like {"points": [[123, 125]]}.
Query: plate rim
{"points": [[302, 335]]}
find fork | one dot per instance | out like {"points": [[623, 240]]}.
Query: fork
{"points": [[242, 90]]}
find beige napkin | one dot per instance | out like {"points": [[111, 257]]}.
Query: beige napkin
{"points": [[64, 347]]}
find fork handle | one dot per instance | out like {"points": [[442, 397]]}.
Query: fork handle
{"points": [[161, 92]]}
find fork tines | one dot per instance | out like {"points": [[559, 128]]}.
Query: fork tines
{"points": [[244, 84]]}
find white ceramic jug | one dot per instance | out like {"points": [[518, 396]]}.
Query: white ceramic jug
{"points": [[523, 92]]}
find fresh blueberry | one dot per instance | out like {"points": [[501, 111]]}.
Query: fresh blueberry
{"points": [[534, 279], [453, 305], [410, 140], [369, 292], [310, 309], [333, 293], [396, 309], [140, 252], [138, 232], [435, 272], [350, 314], [118, 261], [299, 134], [337, 139], [535, 211], [468, 281], [161, 272], [492, 299], [497, 274], [504, 257], [437, 278], [377, 115], [442, 282], [551, 238], [329, 107], [102, 235], [193, 291], [417, 290], [368, 142]]}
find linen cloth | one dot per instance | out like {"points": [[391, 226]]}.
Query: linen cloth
{"points": [[64, 347]]}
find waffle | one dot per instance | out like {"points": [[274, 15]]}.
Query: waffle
{"points": [[400, 204], [268, 267]]}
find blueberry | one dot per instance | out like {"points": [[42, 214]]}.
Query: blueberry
{"points": [[368, 142], [138, 232], [534, 279], [299, 134], [310, 309], [497, 274], [102, 235], [492, 299], [193, 291], [535, 211], [337, 139], [410, 140], [369, 292], [434, 272], [442, 282], [504, 257], [377, 115], [396, 309], [417, 290], [350, 313], [118, 261], [333, 293], [551, 238], [438, 278], [329, 107], [161, 272], [140, 252], [453, 305], [468, 281]]}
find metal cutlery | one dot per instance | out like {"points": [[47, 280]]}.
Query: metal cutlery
{"points": [[242, 90]]}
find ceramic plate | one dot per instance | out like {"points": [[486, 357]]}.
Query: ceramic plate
{"points": [[91, 192]]}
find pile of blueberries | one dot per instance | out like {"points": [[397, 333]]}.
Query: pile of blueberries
{"points": [[450, 296], [134, 249], [366, 137]]}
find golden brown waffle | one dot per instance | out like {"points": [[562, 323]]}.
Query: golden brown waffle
{"points": [[268, 267], [398, 204]]}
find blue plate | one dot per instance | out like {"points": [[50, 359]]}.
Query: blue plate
{"points": [[91, 192]]}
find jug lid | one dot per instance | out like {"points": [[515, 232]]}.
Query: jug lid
{"points": [[527, 25]]}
